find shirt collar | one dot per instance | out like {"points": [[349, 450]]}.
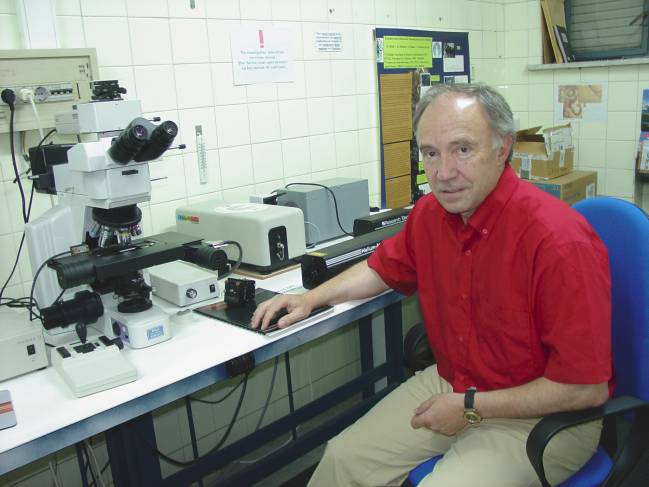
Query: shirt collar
{"points": [[486, 215]]}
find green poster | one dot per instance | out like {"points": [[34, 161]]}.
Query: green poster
{"points": [[407, 52]]}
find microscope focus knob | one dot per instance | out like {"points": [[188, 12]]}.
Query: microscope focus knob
{"points": [[191, 293]]}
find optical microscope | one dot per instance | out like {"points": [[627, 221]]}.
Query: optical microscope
{"points": [[86, 244]]}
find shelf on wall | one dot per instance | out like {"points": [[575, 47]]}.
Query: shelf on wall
{"points": [[590, 64]]}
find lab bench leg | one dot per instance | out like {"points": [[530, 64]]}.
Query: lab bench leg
{"points": [[394, 342], [367, 355], [131, 449]]}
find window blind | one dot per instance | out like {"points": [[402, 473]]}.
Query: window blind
{"points": [[604, 26]]}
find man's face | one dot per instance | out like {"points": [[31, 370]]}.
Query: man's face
{"points": [[457, 146]]}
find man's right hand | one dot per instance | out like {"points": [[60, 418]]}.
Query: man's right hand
{"points": [[357, 282], [297, 308]]}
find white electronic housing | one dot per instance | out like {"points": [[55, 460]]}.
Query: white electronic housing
{"points": [[141, 329], [269, 235], [22, 348], [107, 116], [183, 284], [58, 78], [92, 176], [86, 373]]}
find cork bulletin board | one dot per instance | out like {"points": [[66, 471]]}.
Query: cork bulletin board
{"points": [[410, 61]]}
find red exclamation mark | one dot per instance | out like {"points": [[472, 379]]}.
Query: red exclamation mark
{"points": [[261, 39]]}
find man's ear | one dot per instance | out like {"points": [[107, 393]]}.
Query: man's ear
{"points": [[505, 148]]}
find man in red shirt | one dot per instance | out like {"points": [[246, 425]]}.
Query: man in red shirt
{"points": [[514, 288]]}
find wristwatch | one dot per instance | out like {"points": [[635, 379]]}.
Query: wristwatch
{"points": [[470, 414]]}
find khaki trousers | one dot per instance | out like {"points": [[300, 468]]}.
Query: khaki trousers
{"points": [[381, 447]]}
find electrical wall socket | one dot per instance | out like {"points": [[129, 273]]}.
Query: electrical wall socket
{"points": [[59, 78]]}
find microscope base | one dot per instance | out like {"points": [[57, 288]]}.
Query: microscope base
{"points": [[92, 367], [139, 330]]}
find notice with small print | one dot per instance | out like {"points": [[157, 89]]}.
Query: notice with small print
{"points": [[453, 58], [329, 41], [262, 56]]}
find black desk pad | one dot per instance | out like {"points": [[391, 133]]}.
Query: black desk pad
{"points": [[241, 316]]}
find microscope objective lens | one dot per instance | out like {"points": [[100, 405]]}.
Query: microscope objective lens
{"points": [[94, 230]]}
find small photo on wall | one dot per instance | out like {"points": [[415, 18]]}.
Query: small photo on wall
{"points": [[449, 49], [644, 120], [437, 50], [453, 58]]}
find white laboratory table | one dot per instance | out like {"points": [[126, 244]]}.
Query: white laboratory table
{"points": [[50, 417]]}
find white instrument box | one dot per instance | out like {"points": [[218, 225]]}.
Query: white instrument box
{"points": [[269, 235]]}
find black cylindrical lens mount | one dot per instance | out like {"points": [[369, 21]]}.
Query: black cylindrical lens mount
{"points": [[85, 307], [210, 258]]}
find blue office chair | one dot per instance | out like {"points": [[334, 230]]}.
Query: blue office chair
{"points": [[624, 229]]}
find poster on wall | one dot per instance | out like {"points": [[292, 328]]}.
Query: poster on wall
{"points": [[584, 101], [407, 52], [262, 56], [409, 63]]}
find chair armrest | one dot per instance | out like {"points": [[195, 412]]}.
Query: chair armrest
{"points": [[627, 455], [417, 354]]}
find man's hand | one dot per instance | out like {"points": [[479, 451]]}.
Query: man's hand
{"points": [[442, 413], [297, 308]]}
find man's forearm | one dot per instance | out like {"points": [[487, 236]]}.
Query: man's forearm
{"points": [[539, 398], [357, 282]]}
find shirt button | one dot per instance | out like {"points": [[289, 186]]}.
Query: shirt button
{"points": [[467, 252], [461, 339], [485, 231], [464, 296]]}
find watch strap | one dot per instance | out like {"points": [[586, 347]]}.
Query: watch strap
{"points": [[469, 398]]}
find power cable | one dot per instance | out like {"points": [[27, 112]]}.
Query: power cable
{"points": [[9, 301], [9, 97], [31, 294], [332, 195], [181, 463], [220, 400]]}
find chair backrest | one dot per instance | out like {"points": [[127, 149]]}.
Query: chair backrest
{"points": [[624, 229]]}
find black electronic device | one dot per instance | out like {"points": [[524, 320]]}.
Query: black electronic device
{"points": [[41, 160], [239, 292], [107, 90], [86, 307], [380, 220], [241, 316], [321, 265]]}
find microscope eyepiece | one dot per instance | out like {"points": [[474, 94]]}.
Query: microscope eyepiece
{"points": [[129, 142], [161, 139], [169, 128]]}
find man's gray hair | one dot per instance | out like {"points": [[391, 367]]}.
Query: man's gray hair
{"points": [[499, 114]]}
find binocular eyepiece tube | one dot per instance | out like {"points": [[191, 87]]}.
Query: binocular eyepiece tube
{"points": [[142, 141]]}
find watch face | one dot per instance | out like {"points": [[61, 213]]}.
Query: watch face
{"points": [[472, 417]]}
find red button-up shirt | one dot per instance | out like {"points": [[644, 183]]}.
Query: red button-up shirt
{"points": [[521, 291]]}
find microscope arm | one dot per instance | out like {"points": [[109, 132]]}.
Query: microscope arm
{"points": [[101, 265]]}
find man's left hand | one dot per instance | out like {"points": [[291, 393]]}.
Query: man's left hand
{"points": [[442, 413]]}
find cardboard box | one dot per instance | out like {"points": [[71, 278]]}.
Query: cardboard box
{"points": [[572, 187], [544, 155]]}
